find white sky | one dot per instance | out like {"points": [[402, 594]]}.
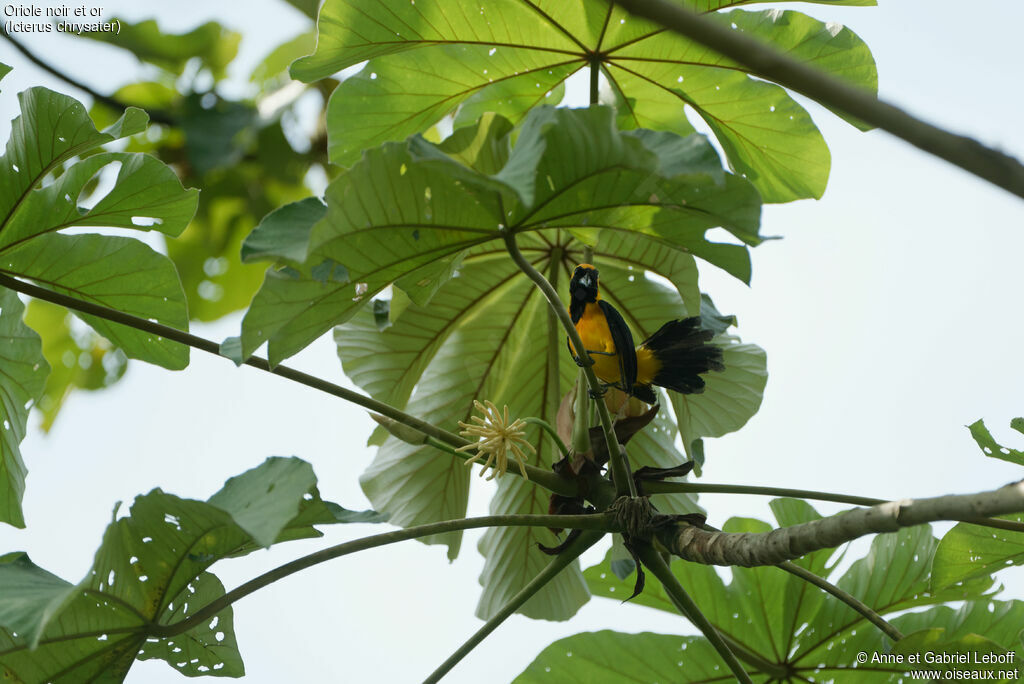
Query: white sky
{"points": [[891, 313]]}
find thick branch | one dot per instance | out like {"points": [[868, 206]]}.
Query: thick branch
{"points": [[557, 564], [771, 548], [665, 487], [545, 478], [599, 524], [689, 609], [767, 62], [154, 114], [620, 471]]}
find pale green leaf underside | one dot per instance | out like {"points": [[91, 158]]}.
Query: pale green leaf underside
{"points": [[408, 206], [429, 58], [35, 203]]}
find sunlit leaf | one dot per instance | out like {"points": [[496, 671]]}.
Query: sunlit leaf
{"points": [[428, 58], [969, 551]]}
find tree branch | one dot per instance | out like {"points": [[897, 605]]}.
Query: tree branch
{"points": [[557, 564], [156, 115], [767, 62], [665, 487], [620, 471], [598, 523], [689, 609], [771, 548], [547, 479]]}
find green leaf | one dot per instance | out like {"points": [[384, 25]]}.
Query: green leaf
{"points": [[284, 233], [968, 551], [21, 383], [730, 398], [606, 656], [116, 272], [152, 568], [83, 360], [992, 448], [247, 497], [213, 44], [407, 207], [425, 62], [120, 273], [793, 624], [943, 628], [4, 69]]}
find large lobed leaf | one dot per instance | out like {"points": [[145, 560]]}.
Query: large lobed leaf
{"points": [[427, 59], [42, 191], [407, 211], [152, 569]]}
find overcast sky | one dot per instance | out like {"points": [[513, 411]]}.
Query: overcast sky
{"points": [[891, 314]]}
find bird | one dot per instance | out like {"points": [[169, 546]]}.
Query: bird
{"points": [[674, 357]]}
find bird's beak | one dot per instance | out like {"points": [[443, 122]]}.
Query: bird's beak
{"points": [[585, 281]]}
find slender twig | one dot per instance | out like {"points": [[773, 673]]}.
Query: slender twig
{"points": [[620, 471], [847, 598], [545, 478], [557, 564], [771, 548], [598, 524], [156, 115], [653, 560], [664, 487], [768, 62]]}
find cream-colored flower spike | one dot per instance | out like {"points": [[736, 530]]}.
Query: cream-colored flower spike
{"points": [[497, 437]]}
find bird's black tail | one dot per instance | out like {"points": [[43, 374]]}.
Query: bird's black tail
{"points": [[685, 354]]}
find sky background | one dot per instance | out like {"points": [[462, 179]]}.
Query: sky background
{"points": [[891, 313]]}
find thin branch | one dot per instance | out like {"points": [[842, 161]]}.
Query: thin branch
{"points": [[771, 548], [557, 564], [664, 487], [767, 62], [598, 524], [689, 609], [546, 427], [847, 598], [156, 115], [545, 478], [620, 471]]}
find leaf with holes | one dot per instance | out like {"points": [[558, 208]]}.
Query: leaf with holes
{"points": [[968, 551], [21, 383], [991, 447], [428, 59], [151, 569], [410, 206], [118, 272]]}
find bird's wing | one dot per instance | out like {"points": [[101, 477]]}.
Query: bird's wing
{"points": [[623, 341]]}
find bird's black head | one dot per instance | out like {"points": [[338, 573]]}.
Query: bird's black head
{"points": [[583, 286]]}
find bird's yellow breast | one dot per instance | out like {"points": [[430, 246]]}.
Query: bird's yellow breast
{"points": [[596, 336]]}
